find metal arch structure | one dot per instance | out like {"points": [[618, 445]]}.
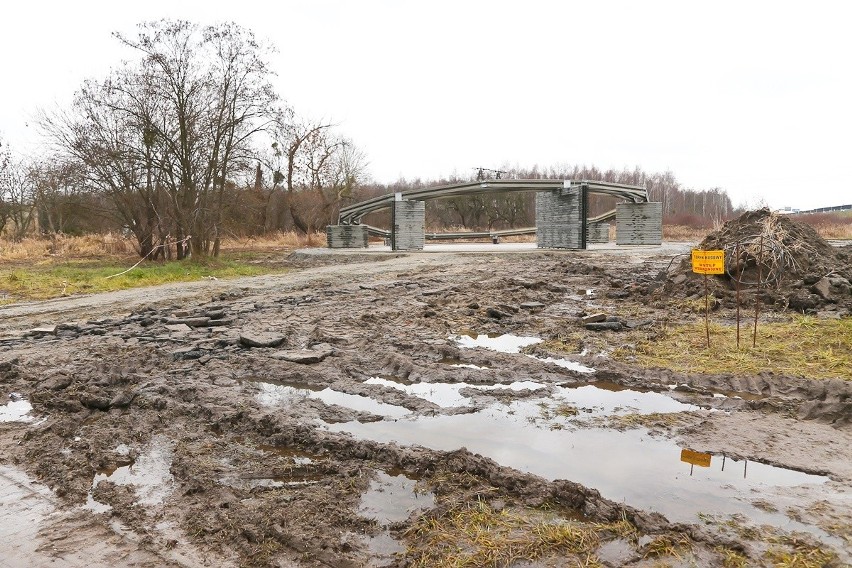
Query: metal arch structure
{"points": [[562, 219], [352, 214]]}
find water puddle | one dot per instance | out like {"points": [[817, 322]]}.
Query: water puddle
{"points": [[24, 505], [393, 498], [505, 343], [384, 550], [597, 401], [508, 343], [298, 457], [448, 395], [565, 364], [630, 467], [275, 394], [457, 363], [16, 410], [149, 475]]}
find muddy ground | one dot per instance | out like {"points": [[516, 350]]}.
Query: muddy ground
{"points": [[398, 410]]}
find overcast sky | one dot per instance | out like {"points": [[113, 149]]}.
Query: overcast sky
{"points": [[753, 97]]}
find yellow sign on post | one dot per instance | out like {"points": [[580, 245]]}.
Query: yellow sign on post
{"points": [[708, 261], [695, 458]]}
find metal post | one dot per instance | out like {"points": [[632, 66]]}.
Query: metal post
{"points": [[706, 310], [757, 296], [738, 274]]}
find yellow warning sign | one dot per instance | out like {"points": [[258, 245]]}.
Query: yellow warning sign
{"points": [[695, 458], [708, 261]]}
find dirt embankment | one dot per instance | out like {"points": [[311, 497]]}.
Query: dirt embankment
{"points": [[784, 262], [252, 422]]}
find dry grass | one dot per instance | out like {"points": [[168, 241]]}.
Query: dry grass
{"points": [[836, 225], [835, 228], [803, 346], [683, 233], [113, 245], [477, 535]]}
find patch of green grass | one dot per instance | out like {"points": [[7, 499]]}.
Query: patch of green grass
{"points": [[45, 280], [803, 346]]}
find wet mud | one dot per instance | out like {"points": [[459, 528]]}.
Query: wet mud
{"points": [[380, 413]]}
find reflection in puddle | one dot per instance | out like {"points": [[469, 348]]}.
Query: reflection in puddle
{"points": [[629, 467], [565, 364], [443, 394], [505, 343], [452, 362], [16, 410], [24, 505], [508, 343], [448, 395], [597, 401], [393, 498], [384, 550], [149, 474], [272, 395]]}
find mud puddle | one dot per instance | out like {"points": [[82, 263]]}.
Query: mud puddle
{"points": [[24, 506], [629, 467], [502, 343], [391, 499], [602, 399], [276, 394], [149, 474], [448, 395], [16, 410], [508, 343]]}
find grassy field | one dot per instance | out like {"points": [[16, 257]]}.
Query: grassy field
{"points": [[803, 346], [39, 269]]}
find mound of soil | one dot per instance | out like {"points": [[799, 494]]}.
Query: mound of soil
{"points": [[793, 266]]}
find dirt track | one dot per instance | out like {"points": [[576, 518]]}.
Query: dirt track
{"points": [[251, 422]]}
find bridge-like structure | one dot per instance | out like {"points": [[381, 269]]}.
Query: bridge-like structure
{"points": [[562, 219]]}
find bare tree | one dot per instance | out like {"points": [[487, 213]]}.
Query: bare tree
{"points": [[317, 168], [214, 94], [16, 195]]}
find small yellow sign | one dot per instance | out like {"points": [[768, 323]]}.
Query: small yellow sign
{"points": [[708, 261], [695, 458]]}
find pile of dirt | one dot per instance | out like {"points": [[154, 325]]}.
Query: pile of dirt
{"points": [[793, 266]]}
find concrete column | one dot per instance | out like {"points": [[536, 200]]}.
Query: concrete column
{"points": [[346, 236], [560, 218], [409, 225], [597, 233], [639, 223]]}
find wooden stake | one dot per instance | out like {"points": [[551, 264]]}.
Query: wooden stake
{"points": [[737, 273], [706, 310], [757, 296]]}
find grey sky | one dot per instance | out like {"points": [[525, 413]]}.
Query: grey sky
{"points": [[752, 97]]}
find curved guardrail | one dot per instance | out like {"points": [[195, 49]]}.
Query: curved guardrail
{"points": [[352, 214]]}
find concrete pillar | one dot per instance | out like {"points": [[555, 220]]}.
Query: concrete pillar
{"points": [[346, 236], [560, 218], [639, 223], [409, 225], [597, 233]]}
